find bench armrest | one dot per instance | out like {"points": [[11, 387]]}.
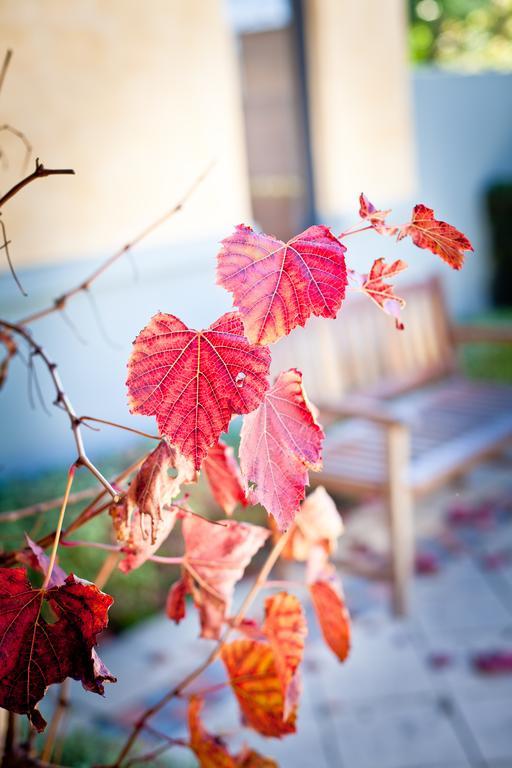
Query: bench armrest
{"points": [[467, 334], [369, 409]]}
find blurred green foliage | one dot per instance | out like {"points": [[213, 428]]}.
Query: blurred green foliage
{"points": [[470, 35]]}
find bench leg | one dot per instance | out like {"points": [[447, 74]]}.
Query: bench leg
{"points": [[400, 511]]}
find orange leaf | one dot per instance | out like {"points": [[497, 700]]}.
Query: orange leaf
{"points": [[253, 677], [280, 441], [278, 286], [332, 615], [194, 381], [285, 627], [248, 758], [215, 559], [224, 478], [382, 293], [437, 236], [209, 750]]}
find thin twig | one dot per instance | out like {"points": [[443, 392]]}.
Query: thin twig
{"points": [[39, 173], [6, 128], [5, 247], [53, 555], [63, 401], [62, 300], [215, 653], [5, 67], [45, 506]]}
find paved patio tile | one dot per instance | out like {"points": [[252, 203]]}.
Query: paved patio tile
{"points": [[490, 719], [397, 734]]}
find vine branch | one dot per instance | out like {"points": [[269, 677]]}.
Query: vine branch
{"points": [[63, 401], [39, 173]]}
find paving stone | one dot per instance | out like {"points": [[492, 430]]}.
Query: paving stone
{"points": [[397, 734], [458, 598], [490, 720]]}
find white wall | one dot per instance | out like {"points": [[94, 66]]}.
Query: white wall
{"points": [[464, 140], [463, 129]]}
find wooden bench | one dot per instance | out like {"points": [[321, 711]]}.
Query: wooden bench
{"points": [[410, 421]]}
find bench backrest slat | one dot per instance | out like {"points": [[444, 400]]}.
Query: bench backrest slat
{"points": [[362, 352]]}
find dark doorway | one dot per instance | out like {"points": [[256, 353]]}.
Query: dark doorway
{"points": [[275, 115]]}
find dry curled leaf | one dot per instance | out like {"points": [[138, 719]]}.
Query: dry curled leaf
{"points": [[224, 478], [253, 677], [215, 559], [153, 487], [381, 292], [318, 523], [375, 217], [35, 653], [277, 286], [280, 441], [437, 236], [136, 535], [194, 381]]}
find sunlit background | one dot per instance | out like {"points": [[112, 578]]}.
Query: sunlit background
{"points": [[294, 107]]}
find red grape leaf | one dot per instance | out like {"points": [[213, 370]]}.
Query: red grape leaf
{"points": [[437, 236], [209, 750], [194, 381], [329, 603], [253, 677], [35, 654], [381, 292], [280, 441], [215, 559], [176, 606], [224, 478], [285, 627], [318, 523], [376, 218], [153, 488], [278, 286]]}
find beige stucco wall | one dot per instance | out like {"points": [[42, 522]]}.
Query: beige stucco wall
{"points": [[138, 96], [359, 99]]}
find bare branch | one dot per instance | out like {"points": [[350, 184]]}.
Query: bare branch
{"points": [[39, 173], [62, 300], [63, 401]]}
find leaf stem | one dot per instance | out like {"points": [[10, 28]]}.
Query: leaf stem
{"points": [[53, 555]]}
